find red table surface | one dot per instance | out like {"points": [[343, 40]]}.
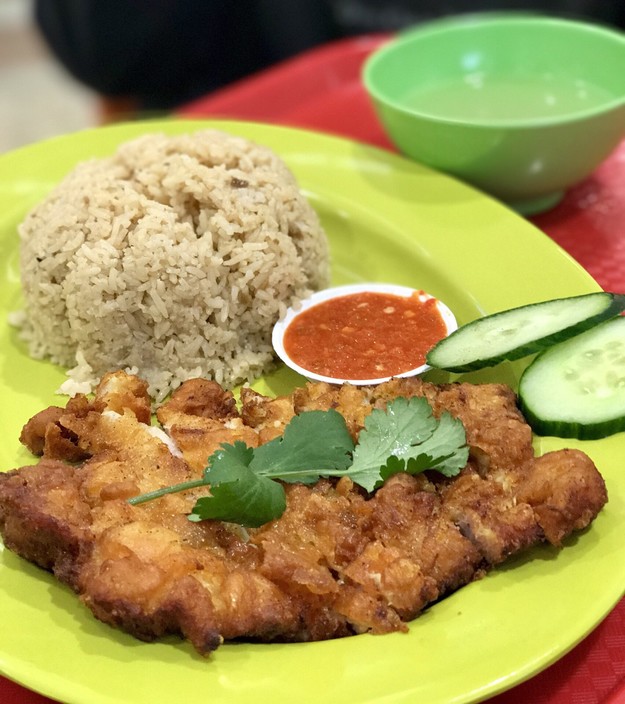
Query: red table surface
{"points": [[321, 90]]}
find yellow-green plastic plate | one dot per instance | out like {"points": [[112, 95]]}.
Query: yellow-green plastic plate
{"points": [[388, 220]]}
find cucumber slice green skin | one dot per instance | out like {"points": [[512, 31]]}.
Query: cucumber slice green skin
{"points": [[495, 337], [576, 389]]}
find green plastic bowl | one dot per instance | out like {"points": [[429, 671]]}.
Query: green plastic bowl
{"points": [[520, 106]]}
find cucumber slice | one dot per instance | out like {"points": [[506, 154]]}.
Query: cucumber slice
{"points": [[518, 332], [576, 389]]}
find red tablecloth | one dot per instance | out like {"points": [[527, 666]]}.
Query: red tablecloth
{"points": [[321, 90]]}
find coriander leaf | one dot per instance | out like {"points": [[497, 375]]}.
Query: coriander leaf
{"points": [[390, 433], [314, 444], [408, 438], [238, 494], [445, 450], [412, 465], [229, 462], [447, 446]]}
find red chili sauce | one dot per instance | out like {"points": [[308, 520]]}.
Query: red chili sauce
{"points": [[364, 335]]}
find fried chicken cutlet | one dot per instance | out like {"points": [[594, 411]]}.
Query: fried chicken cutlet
{"points": [[338, 562]]}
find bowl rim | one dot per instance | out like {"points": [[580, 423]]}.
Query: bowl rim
{"points": [[483, 19], [326, 294]]}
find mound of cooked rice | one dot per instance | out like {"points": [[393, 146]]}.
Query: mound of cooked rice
{"points": [[173, 258]]}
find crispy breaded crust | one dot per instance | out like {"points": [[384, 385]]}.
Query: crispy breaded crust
{"points": [[338, 561]]}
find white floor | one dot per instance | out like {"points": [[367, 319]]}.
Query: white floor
{"points": [[38, 99]]}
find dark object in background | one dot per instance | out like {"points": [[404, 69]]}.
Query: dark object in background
{"points": [[166, 52], [153, 55]]}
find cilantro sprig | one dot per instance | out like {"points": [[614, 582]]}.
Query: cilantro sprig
{"points": [[245, 483]]}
